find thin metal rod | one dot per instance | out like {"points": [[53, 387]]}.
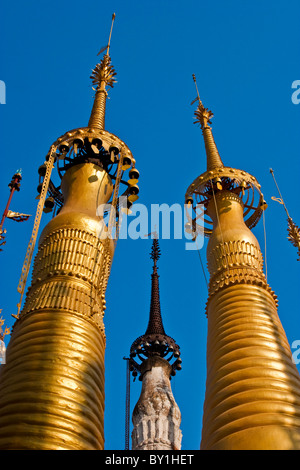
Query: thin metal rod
{"points": [[194, 78], [127, 405], [200, 259], [36, 225], [12, 185], [112, 23], [7, 207], [282, 201], [265, 239], [217, 212]]}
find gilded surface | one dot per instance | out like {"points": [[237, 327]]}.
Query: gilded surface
{"points": [[252, 396], [52, 386]]}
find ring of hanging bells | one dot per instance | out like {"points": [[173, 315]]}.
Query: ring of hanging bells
{"points": [[84, 148], [154, 344], [213, 181]]}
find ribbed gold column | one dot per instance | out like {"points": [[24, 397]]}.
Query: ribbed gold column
{"points": [[97, 118], [52, 386], [212, 153], [252, 396]]}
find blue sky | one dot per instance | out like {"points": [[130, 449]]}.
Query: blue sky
{"points": [[245, 56]]}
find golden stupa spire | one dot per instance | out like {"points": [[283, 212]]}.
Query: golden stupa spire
{"points": [[53, 382], [102, 76], [252, 397], [203, 117]]}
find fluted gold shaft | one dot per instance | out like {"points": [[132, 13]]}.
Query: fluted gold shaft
{"points": [[97, 118], [252, 396], [212, 154], [52, 386]]}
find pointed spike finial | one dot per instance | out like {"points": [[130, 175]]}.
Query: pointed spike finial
{"points": [[155, 320], [112, 23], [203, 117], [154, 342], [102, 76], [195, 81], [155, 252]]}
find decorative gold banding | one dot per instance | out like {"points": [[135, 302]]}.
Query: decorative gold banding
{"points": [[52, 387], [70, 251], [108, 139], [251, 379], [97, 119]]}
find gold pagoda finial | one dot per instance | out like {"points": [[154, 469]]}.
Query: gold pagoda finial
{"points": [[203, 117], [293, 229], [102, 76]]}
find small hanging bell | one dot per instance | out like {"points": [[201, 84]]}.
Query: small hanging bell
{"points": [[49, 204], [42, 170], [243, 185], [133, 193], [218, 183], [96, 145], [133, 176], [263, 205], [126, 210], [64, 147], [78, 143], [126, 163]]}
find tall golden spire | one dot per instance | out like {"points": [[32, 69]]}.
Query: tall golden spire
{"points": [[102, 76], [52, 385], [252, 398], [219, 177]]}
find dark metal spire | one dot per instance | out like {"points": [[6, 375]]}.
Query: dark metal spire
{"points": [[154, 342], [155, 324]]}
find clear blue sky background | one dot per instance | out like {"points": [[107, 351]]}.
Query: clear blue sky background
{"points": [[245, 56]]}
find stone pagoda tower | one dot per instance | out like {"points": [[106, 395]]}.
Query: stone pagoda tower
{"points": [[252, 396], [156, 357], [52, 386]]}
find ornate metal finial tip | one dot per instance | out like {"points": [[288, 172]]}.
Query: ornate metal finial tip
{"points": [[104, 72], [155, 250], [203, 115]]}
